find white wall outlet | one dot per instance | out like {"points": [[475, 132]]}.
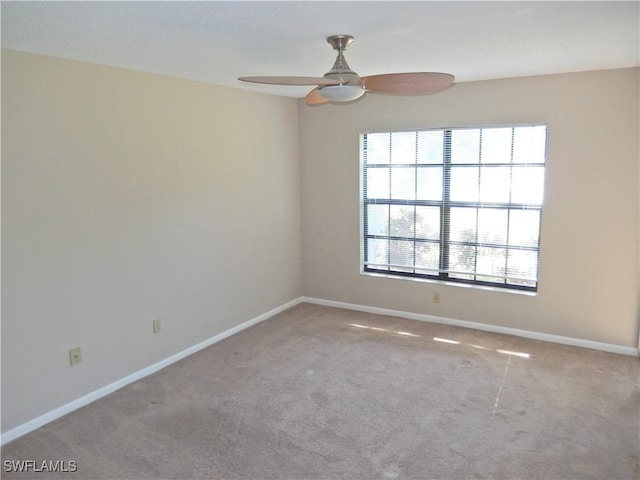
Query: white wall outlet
{"points": [[436, 297], [157, 326], [75, 356]]}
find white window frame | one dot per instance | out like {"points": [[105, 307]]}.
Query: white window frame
{"points": [[443, 271]]}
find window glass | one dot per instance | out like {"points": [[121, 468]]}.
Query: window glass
{"points": [[493, 226], [429, 183], [377, 219], [495, 184], [464, 184], [427, 222], [496, 145], [378, 183], [378, 148], [402, 220], [465, 145], [403, 183], [403, 147], [430, 146]]}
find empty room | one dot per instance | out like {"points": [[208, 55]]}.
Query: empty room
{"points": [[320, 240]]}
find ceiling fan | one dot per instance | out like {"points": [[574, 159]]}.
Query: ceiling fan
{"points": [[341, 84]]}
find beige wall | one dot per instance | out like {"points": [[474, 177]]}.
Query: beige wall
{"points": [[128, 197], [589, 246]]}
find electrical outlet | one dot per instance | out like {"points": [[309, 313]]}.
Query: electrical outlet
{"points": [[157, 326], [436, 297], [75, 356]]}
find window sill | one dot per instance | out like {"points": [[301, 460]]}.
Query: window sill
{"points": [[451, 284]]}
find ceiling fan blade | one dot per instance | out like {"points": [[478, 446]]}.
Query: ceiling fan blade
{"points": [[314, 98], [415, 83], [291, 80]]}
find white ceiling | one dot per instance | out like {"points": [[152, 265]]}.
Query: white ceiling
{"points": [[218, 41]]}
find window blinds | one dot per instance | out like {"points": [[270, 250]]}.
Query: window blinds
{"points": [[459, 204]]}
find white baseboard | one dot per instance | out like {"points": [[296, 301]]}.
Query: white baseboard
{"points": [[38, 422], [42, 420], [576, 342]]}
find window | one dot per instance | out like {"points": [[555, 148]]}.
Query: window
{"points": [[457, 204]]}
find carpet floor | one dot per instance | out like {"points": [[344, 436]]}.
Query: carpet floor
{"points": [[325, 393]]}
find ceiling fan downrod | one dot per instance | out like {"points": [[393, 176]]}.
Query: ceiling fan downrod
{"points": [[341, 70], [350, 86]]}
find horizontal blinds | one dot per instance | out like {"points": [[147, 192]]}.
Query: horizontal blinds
{"points": [[461, 203]]}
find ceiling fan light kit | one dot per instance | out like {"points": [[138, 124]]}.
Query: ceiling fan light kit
{"points": [[341, 84], [341, 93]]}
